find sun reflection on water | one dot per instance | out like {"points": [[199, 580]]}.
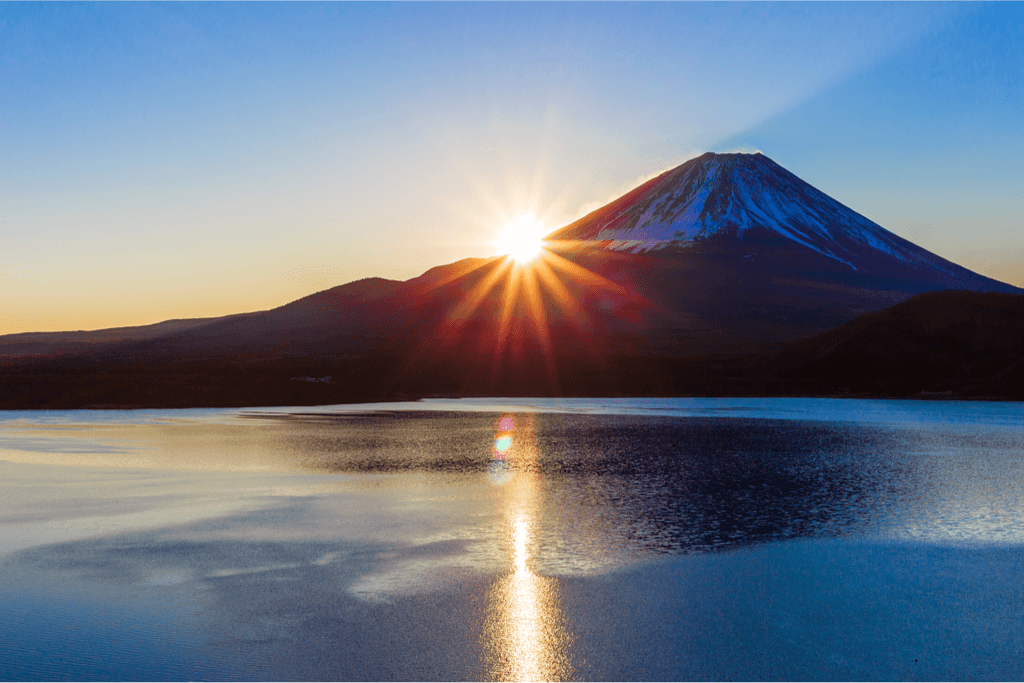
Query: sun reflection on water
{"points": [[525, 638]]}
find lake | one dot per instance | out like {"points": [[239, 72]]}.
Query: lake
{"points": [[515, 539]]}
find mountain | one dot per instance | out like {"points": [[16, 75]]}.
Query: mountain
{"points": [[29, 344], [746, 256], [686, 284], [748, 200]]}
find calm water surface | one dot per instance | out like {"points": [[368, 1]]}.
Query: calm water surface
{"points": [[515, 540]]}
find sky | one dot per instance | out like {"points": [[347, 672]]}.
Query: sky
{"points": [[164, 160]]}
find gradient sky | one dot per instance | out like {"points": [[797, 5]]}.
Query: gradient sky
{"points": [[181, 160]]}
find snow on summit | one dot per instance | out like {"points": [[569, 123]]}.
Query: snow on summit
{"points": [[741, 196]]}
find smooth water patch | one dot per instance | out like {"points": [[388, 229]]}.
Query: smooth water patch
{"points": [[100, 635], [841, 609], [277, 593], [93, 417], [43, 504], [837, 609]]}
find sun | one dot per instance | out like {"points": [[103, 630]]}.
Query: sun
{"points": [[522, 238]]}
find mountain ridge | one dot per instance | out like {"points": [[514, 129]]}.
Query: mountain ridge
{"points": [[777, 262], [741, 195], [75, 341]]}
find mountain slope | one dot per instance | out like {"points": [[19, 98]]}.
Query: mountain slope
{"points": [[751, 200], [744, 256], [29, 344]]}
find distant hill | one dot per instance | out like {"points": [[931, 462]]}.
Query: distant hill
{"points": [[27, 344], [951, 343]]}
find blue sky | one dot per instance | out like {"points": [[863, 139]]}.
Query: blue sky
{"points": [[166, 160]]}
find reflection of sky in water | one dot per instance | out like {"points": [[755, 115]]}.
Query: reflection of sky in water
{"points": [[61, 445], [379, 507], [70, 418], [619, 485], [616, 485]]}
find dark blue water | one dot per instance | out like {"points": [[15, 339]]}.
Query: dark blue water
{"points": [[677, 485], [53, 633]]}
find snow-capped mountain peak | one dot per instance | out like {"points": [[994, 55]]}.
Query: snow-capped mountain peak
{"points": [[740, 196]]}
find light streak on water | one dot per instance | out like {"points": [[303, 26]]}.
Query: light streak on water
{"points": [[525, 638]]}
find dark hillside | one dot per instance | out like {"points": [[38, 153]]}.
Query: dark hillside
{"points": [[963, 343]]}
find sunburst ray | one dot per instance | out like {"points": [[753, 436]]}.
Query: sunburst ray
{"points": [[513, 308], [538, 315]]}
